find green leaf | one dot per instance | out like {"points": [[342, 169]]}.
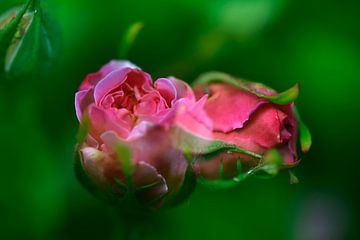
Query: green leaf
{"points": [[304, 132], [8, 27], [283, 98], [129, 38], [32, 43]]}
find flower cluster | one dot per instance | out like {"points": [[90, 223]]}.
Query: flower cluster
{"points": [[145, 143]]}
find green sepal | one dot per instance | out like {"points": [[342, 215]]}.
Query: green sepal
{"points": [[124, 156], [268, 166], [282, 98], [84, 129], [293, 178], [129, 38], [188, 186], [224, 183], [129, 201], [304, 133], [189, 143]]}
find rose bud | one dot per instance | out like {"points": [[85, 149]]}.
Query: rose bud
{"points": [[243, 127], [126, 151]]}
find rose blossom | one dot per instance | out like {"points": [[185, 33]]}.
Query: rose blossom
{"points": [[125, 108], [240, 114]]}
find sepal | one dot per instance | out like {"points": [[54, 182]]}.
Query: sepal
{"points": [[268, 166], [304, 132], [193, 145]]}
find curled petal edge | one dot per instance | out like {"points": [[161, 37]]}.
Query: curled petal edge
{"points": [[282, 98]]}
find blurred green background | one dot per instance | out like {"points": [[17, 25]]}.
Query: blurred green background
{"points": [[277, 42]]}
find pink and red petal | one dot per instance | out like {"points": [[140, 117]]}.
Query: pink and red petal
{"points": [[102, 121], [83, 99], [116, 65], [230, 107]]}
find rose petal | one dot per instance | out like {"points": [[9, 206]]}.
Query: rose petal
{"points": [[148, 105], [183, 90], [102, 169], [90, 81], [167, 89], [230, 107], [198, 112], [146, 175], [263, 129], [108, 83], [110, 139], [116, 65], [291, 128], [192, 124], [139, 130], [82, 100], [134, 77], [163, 156], [102, 121], [123, 117], [150, 185], [92, 161]]}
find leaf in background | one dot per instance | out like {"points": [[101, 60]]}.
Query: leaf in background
{"points": [[9, 23], [129, 37], [282, 98], [32, 179], [245, 19], [29, 43]]}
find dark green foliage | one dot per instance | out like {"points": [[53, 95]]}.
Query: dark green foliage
{"points": [[29, 43]]}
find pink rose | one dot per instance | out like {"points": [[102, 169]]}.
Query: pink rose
{"points": [[126, 110], [239, 124]]}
